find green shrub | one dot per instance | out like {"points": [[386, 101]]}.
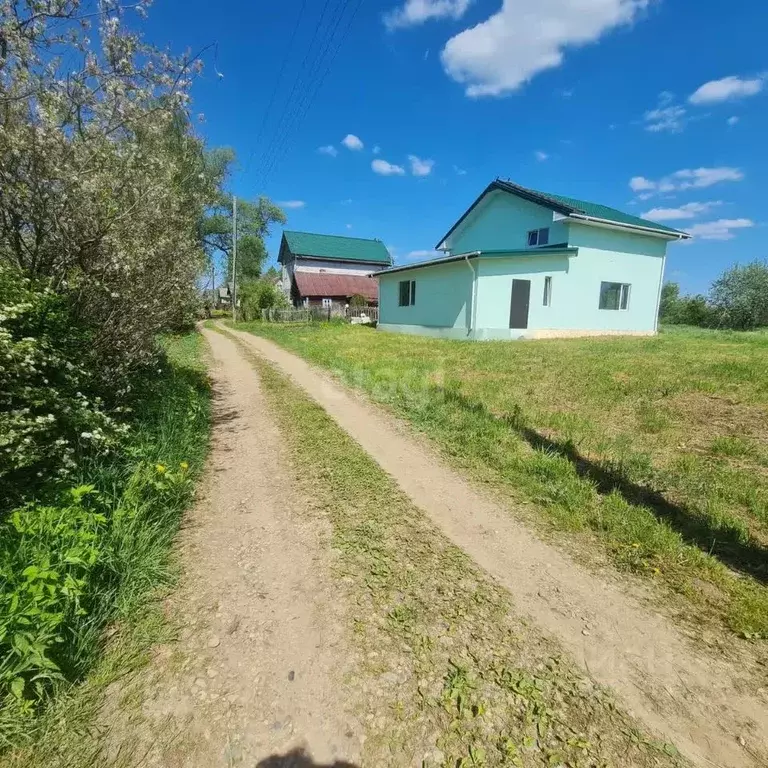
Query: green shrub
{"points": [[89, 555], [50, 409]]}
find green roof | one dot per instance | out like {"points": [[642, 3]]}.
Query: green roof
{"points": [[568, 206], [336, 247], [597, 211]]}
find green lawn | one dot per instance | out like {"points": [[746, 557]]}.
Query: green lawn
{"points": [[459, 678], [652, 452]]}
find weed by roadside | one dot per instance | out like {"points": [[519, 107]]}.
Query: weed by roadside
{"points": [[454, 678], [80, 572]]}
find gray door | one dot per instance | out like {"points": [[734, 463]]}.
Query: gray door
{"points": [[521, 299]]}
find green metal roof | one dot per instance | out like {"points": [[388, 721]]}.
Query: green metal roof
{"points": [[568, 206], [336, 247], [526, 252], [597, 211]]}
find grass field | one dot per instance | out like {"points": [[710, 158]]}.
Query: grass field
{"points": [[650, 452], [455, 678]]}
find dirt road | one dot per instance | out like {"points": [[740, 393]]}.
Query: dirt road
{"points": [[257, 678], [694, 700]]}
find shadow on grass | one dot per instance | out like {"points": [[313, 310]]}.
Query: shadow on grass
{"points": [[723, 543], [298, 758]]}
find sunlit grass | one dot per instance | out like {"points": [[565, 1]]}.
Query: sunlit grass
{"points": [[653, 449]]}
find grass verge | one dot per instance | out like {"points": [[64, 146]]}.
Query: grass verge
{"points": [[91, 570], [453, 678], [652, 452]]}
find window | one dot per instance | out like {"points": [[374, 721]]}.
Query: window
{"points": [[327, 303], [538, 236], [407, 293], [614, 295], [547, 291]]}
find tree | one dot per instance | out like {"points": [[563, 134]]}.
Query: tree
{"points": [[739, 297], [254, 221], [670, 295], [102, 181], [256, 295]]}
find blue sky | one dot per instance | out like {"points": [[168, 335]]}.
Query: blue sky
{"points": [[639, 104]]}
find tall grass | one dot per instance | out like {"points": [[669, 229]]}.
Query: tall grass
{"points": [[82, 567], [652, 452]]}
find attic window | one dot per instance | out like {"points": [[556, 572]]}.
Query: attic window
{"points": [[538, 236]]}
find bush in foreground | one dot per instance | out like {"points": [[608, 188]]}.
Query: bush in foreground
{"points": [[77, 557]]}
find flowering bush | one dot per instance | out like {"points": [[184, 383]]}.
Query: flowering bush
{"points": [[48, 410], [102, 182]]}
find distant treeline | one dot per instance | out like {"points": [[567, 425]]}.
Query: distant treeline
{"points": [[738, 299]]}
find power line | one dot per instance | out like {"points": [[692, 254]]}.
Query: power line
{"points": [[279, 79], [306, 103], [299, 74]]}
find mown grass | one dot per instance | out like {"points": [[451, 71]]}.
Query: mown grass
{"points": [[653, 451], [453, 677], [139, 494]]}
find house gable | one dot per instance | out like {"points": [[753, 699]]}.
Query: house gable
{"points": [[504, 213], [500, 221]]}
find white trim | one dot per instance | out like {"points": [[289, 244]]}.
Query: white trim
{"points": [[594, 221]]}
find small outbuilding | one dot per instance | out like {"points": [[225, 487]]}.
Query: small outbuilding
{"points": [[525, 264]]}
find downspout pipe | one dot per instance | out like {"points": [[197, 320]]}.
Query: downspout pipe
{"points": [[658, 297], [471, 314]]}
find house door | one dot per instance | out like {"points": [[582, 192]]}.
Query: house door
{"points": [[521, 299]]}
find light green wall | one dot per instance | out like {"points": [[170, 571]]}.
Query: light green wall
{"points": [[444, 292], [442, 296], [503, 221]]}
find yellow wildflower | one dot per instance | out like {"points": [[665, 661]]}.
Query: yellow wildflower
{"points": [[184, 466], [160, 468]]}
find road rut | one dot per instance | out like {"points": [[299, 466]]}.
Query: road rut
{"points": [[694, 701]]}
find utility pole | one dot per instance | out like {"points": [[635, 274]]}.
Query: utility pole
{"points": [[234, 259]]}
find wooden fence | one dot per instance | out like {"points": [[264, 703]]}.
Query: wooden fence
{"points": [[354, 315]]}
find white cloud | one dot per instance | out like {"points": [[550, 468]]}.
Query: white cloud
{"points": [[384, 168], [420, 167], [350, 141], [292, 204], [347, 201], [732, 120], [641, 184], [541, 156], [687, 211], [720, 229], [686, 178], [349, 226], [329, 149], [670, 118], [727, 89], [376, 149], [459, 171], [526, 37], [414, 12]]}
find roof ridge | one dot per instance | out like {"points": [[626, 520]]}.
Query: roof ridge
{"points": [[536, 193], [322, 234]]}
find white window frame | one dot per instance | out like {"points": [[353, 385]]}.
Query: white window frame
{"points": [[327, 303], [534, 237], [411, 293], [625, 293], [547, 300]]}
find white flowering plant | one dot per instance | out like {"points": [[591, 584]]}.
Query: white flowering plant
{"points": [[49, 412]]}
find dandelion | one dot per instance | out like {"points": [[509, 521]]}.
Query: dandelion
{"points": [[184, 466], [160, 469]]}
